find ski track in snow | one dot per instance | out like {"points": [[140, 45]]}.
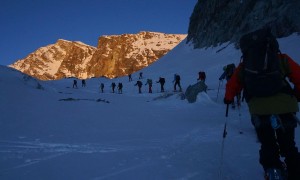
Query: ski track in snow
{"points": [[18, 150], [170, 150], [120, 171], [165, 148], [29, 162]]}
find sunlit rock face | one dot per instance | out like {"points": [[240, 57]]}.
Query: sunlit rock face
{"points": [[124, 54], [115, 56], [56, 61]]}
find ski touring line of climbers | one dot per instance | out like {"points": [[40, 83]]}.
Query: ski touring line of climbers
{"points": [[139, 84], [83, 83], [263, 77], [149, 82]]}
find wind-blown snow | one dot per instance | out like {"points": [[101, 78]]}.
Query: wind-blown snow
{"points": [[57, 132]]}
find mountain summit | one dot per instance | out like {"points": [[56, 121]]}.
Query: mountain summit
{"points": [[120, 55], [115, 55]]}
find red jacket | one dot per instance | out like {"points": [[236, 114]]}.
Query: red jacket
{"points": [[235, 86]]}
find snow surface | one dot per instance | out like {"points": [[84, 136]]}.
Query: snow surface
{"points": [[57, 132]]}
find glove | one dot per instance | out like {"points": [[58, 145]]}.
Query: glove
{"points": [[226, 101]]}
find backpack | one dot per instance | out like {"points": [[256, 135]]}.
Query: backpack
{"points": [[177, 77], [120, 85], [162, 80], [229, 70], [149, 81], [139, 83], [203, 75], [261, 71]]}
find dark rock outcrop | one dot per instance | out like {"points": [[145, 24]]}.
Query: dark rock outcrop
{"points": [[218, 21]]}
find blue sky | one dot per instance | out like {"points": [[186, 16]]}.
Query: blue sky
{"points": [[27, 25]]}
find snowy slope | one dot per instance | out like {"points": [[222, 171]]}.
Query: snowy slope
{"points": [[52, 131]]}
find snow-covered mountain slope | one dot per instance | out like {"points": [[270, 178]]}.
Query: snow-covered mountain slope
{"points": [[60, 132], [115, 56]]}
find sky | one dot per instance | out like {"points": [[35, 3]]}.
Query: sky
{"points": [[62, 132], [27, 25]]}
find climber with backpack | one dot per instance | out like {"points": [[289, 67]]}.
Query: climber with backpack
{"points": [[271, 101], [162, 82], [102, 87], [149, 83], [202, 76], [227, 73], [113, 86], [120, 88], [176, 82], [139, 84]]}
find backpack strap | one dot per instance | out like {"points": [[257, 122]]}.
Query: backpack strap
{"points": [[285, 71], [284, 68]]}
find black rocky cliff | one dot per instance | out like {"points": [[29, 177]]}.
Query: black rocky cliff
{"points": [[214, 22]]}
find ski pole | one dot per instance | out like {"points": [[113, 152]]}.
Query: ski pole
{"points": [[218, 90], [224, 136], [225, 127]]}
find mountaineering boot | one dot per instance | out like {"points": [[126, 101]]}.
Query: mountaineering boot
{"points": [[274, 174]]}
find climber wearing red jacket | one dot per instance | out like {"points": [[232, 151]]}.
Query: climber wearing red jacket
{"points": [[275, 141]]}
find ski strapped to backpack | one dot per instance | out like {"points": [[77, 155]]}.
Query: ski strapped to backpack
{"points": [[263, 73]]}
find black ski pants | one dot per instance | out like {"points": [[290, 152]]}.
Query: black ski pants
{"points": [[177, 83], [162, 89], [279, 142]]}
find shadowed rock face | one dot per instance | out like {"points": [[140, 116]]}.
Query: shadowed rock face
{"points": [[115, 56], [217, 21]]}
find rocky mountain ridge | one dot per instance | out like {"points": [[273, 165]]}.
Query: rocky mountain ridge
{"points": [[115, 56], [214, 22]]}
